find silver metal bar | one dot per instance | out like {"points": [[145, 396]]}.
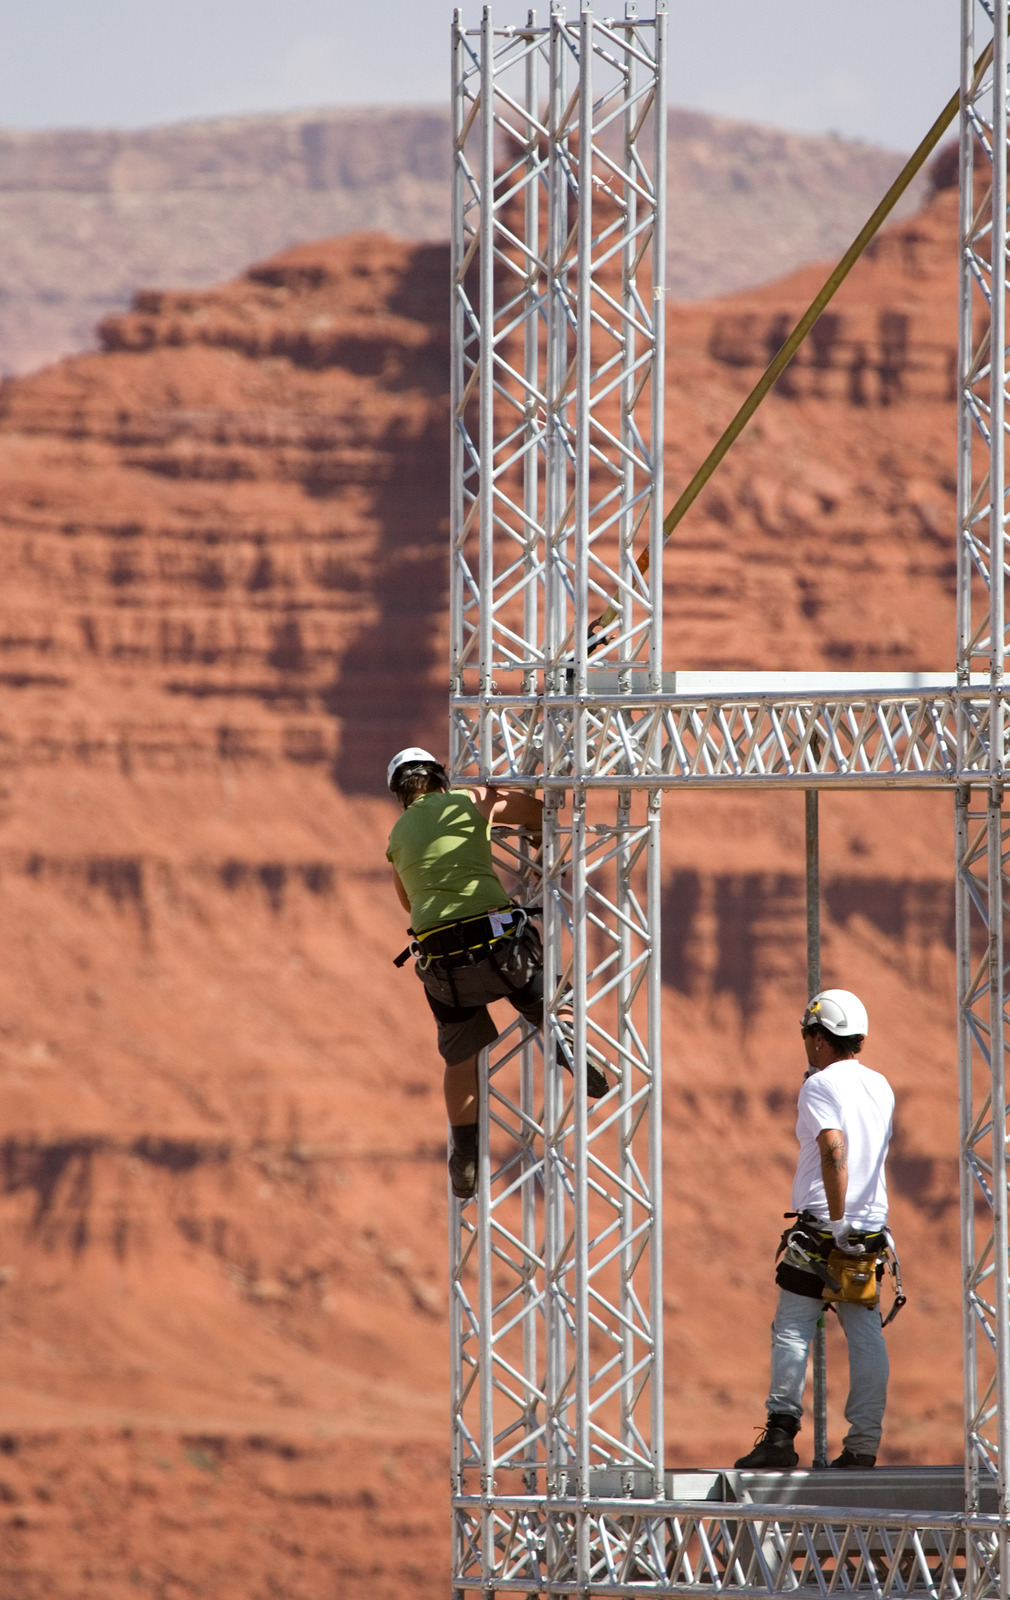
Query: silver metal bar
{"points": [[965, 305], [531, 485], [965, 1052], [658, 398], [583, 368], [625, 1166], [457, 377], [980, 878], [813, 884], [485, 1302], [629, 373], [997, 590], [486, 358], [456, 1377], [558, 1395], [580, 1200], [654, 893], [531, 365], [580, 618], [556, 363]]}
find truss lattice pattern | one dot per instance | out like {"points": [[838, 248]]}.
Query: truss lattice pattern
{"points": [[629, 1547], [557, 392], [981, 832], [555, 1269], [558, 269], [557, 406], [671, 741]]}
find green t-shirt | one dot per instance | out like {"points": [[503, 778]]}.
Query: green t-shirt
{"points": [[441, 848]]}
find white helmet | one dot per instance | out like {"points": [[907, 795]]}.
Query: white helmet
{"points": [[837, 1011], [413, 756]]}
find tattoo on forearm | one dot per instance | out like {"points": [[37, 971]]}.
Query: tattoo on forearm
{"points": [[833, 1157]]}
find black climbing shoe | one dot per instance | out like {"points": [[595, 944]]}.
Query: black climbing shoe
{"points": [[853, 1461], [775, 1445], [596, 1082], [463, 1175]]}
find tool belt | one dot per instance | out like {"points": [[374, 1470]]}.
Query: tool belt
{"points": [[457, 944], [854, 1275]]}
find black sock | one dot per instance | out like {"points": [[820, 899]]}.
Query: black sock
{"points": [[464, 1138]]}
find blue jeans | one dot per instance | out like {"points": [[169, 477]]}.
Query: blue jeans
{"points": [[792, 1335]]}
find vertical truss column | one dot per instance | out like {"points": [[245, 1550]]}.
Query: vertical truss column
{"points": [[557, 362], [981, 833]]}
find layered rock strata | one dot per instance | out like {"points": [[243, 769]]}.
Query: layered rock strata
{"points": [[87, 215], [222, 1192]]}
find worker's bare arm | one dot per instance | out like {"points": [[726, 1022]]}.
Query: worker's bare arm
{"points": [[401, 893], [834, 1170], [510, 808]]}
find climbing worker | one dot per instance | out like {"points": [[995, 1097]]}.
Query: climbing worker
{"points": [[471, 944], [839, 1199]]}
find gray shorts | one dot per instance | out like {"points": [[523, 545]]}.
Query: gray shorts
{"points": [[459, 996]]}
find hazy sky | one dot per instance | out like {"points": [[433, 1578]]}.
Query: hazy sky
{"points": [[873, 69]]}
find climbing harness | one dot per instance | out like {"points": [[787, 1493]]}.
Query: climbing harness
{"points": [[459, 944], [853, 1275]]}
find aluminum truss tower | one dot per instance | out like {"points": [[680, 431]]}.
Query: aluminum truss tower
{"points": [[558, 1478], [981, 826]]}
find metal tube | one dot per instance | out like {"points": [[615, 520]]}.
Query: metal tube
{"points": [[583, 372], [626, 560], [531, 360], [580, 1175], [813, 880], [487, 322], [654, 892], [554, 1196], [457, 380], [658, 398], [580, 962], [558, 1396], [1000, 1297], [962, 918], [527, 1089], [485, 1314], [962, 798], [555, 359], [997, 384], [965, 341], [455, 630], [485, 1300], [529, 1225], [997, 513], [624, 1164]]}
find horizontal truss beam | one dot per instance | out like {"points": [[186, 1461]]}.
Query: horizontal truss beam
{"points": [[867, 740], [639, 1547]]}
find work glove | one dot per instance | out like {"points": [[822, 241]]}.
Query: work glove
{"points": [[842, 1240]]}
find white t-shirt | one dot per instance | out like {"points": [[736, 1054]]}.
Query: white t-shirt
{"points": [[860, 1102]]}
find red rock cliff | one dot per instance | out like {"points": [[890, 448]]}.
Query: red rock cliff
{"points": [[223, 548]]}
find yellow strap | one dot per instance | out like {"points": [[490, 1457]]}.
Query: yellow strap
{"points": [[482, 916], [781, 360]]}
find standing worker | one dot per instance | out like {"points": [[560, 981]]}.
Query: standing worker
{"points": [[840, 1198], [471, 944]]}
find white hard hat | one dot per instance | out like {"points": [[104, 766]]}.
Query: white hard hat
{"points": [[837, 1011], [413, 756]]}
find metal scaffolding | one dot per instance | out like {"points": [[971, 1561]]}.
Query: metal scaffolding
{"points": [[558, 1479]]}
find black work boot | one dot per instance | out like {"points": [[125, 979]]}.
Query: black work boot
{"points": [[775, 1446], [852, 1460], [463, 1161], [596, 1080]]}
